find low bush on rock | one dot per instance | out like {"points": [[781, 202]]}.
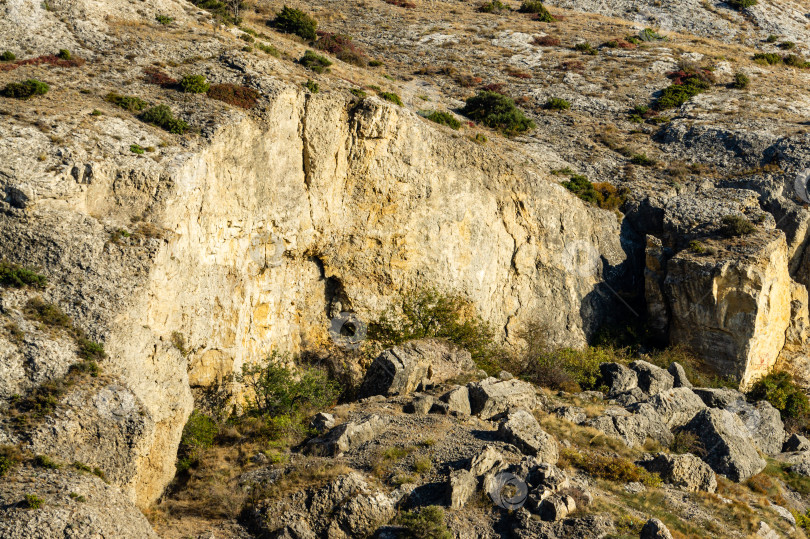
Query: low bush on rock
{"points": [[25, 90], [165, 20], [536, 8], [497, 111], [341, 47], [442, 118], [126, 102], [33, 501], [741, 4], [155, 76], [392, 97], [603, 195], [735, 225], [495, 6], [557, 103], [401, 3], [15, 276], [7, 56], [194, 84], [617, 469], [295, 21], [779, 389], [741, 81], [225, 11], [770, 58], [232, 94], [162, 116], [427, 523], [315, 62], [10, 457]]}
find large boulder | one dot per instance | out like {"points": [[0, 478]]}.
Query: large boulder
{"points": [[651, 379], [414, 365], [458, 400], [684, 471], [655, 529], [492, 397], [727, 443], [618, 378], [74, 504], [677, 406], [461, 486], [348, 436], [719, 397], [521, 429], [633, 428]]}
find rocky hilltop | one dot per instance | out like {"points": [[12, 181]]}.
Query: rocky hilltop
{"points": [[189, 189]]}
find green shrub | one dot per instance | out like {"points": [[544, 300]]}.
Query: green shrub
{"points": [[226, 11], [537, 8], [687, 442], [315, 62], [162, 116], [697, 247], [295, 21], [46, 313], [25, 89], [312, 86], [136, 149], [428, 523], [194, 84], [126, 102], [198, 435], [268, 49], [557, 103], [794, 60], [603, 195], [163, 19], [33, 502], [15, 276], [642, 160], [734, 225], [770, 58], [90, 350], [495, 6], [64, 54], [357, 92], [392, 97], [7, 56], [342, 47], [498, 112], [586, 48], [787, 45], [678, 94], [741, 4], [779, 389], [618, 469], [78, 497], [44, 461], [648, 34], [566, 369], [10, 457], [741, 81], [440, 117], [772, 38]]}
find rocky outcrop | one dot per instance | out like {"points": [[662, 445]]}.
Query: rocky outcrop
{"points": [[521, 429], [633, 428], [414, 365], [461, 486], [492, 397], [727, 444], [684, 471], [655, 529], [347, 436], [676, 406]]}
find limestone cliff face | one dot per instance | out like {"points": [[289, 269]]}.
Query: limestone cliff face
{"points": [[254, 239]]}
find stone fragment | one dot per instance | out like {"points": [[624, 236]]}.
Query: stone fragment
{"points": [[655, 529], [684, 471], [322, 422], [492, 397], [796, 442], [460, 488], [521, 429], [651, 379], [458, 400], [421, 404], [556, 507], [618, 378], [676, 406], [678, 375]]}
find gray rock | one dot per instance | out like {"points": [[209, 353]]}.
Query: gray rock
{"points": [[574, 414], [627, 398], [544, 480], [796, 442], [527, 526], [764, 423], [504, 375], [677, 406], [461, 486], [766, 532], [719, 397], [458, 400], [651, 379], [414, 365], [348, 436], [618, 378], [784, 513], [521, 429], [556, 507], [421, 404], [727, 442], [802, 468], [655, 529], [492, 397], [633, 428], [322, 422], [487, 460], [684, 471], [678, 375]]}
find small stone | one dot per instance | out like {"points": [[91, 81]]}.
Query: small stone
{"points": [[574, 414], [421, 404], [796, 442], [458, 400], [504, 375], [556, 507], [679, 375], [655, 529]]}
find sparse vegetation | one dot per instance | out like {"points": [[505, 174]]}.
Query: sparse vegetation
{"points": [[736, 225], [440, 117], [585, 48], [779, 389], [770, 58], [557, 103], [495, 6], [536, 8], [7, 56], [232, 94], [33, 501], [25, 90], [194, 84], [16, 276], [642, 160], [618, 469], [603, 195], [44, 461], [268, 49], [165, 20], [497, 111], [136, 149], [295, 21], [648, 34], [10, 457], [427, 523], [687, 442], [342, 47], [162, 116], [315, 62], [198, 434], [126, 102], [392, 97]]}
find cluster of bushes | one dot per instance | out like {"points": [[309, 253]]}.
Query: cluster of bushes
{"points": [[537, 10], [442, 118], [497, 111], [494, 6], [686, 83], [341, 47], [62, 59], [779, 389], [602, 195], [771, 58], [232, 94], [227, 12], [735, 225], [295, 21], [392, 97], [163, 117], [427, 523], [126, 102], [315, 62], [16, 276], [585, 48], [25, 89]]}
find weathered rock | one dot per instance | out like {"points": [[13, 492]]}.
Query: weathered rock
{"points": [[727, 442], [556, 507], [801, 468], [651, 379], [633, 428], [461, 487], [458, 400], [685, 471], [348, 436], [766, 532], [322, 422], [96, 509], [796, 442], [414, 365], [492, 397], [719, 397], [487, 460], [527, 526], [677, 406], [521, 429], [574, 414], [421, 404], [678, 375], [544, 480], [655, 529], [618, 378], [627, 398]]}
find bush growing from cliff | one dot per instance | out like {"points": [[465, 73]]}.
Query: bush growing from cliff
{"points": [[603, 195], [735, 225], [24, 90], [498, 112], [10, 456], [194, 84], [442, 118], [15, 276], [426, 523], [392, 97], [162, 116], [198, 435], [315, 62], [46, 313], [295, 21], [618, 469], [232, 94], [679, 93], [779, 389]]}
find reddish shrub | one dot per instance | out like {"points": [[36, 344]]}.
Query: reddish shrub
{"points": [[465, 80], [342, 47], [157, 77], [546, 41], [497, 87], [518, 74], [401, 3], [49, 59], [622, 44], [239, 96], [572, 65]]}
